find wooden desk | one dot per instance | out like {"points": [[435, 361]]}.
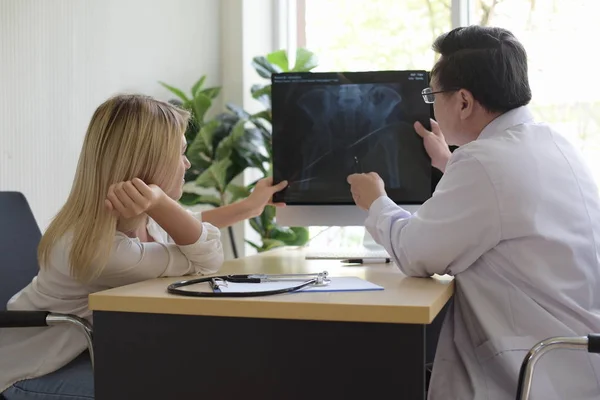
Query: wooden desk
{"points": [[153, 345]]}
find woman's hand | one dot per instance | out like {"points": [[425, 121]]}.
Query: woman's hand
{"points": [[262, 195], [132, 198], [435, 145]]}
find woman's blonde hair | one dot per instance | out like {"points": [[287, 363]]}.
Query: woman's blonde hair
{"points": [[129, 136]]}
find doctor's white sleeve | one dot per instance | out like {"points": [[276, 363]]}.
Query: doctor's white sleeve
{"points": [[451, 230]]}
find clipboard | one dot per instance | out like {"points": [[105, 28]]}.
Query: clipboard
{"points": [[337, 284]]}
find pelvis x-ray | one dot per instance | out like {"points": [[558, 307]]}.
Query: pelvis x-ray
{"points": [[331, 131], [350, 127]]}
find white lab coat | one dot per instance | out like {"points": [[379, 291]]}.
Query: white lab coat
{"points": [[516, 220]]}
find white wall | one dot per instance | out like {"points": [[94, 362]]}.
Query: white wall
{"points": [[59, 59]]}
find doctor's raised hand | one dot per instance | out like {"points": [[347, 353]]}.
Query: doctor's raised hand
{"points": [[435, 144], [366, 188]]}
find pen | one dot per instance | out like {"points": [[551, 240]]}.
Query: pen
{"points": [[367, 261]]}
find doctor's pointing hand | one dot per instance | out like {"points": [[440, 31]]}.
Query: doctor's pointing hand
{"points": [[366, 188]]}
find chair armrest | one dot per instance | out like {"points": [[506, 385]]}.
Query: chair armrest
{"points": [[594, 343], [23, 319]]}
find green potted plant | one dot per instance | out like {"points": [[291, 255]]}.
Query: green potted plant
{"points": [[219, 150], [271, 234], [223, 147]]}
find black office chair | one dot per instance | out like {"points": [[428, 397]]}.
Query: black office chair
{"points": [[19, 238], [591, 343]]}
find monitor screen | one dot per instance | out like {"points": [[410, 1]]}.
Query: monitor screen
{"points": [[327, 126]]}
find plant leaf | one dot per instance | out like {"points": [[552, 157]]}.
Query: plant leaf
{"points": [[176, 92], [280, 59], [264, 130], [269, 244], [257, 247], [215, 175], [198, 85], [227, 121], [264, 114], [268, 218], [302, 236], [211, 92], [206, 179], [220, 173], [201, 104], [255, 223], [305, 60], [235, 169], [208, 199], [249, 148], [226, 146], [259, 90], [200, 151], [237, 110], [264, 68], [262, 93], [191, 199], [237, 192], [284, 234]]}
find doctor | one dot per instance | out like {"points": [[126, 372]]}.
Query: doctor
{"points": [[515, 219]]}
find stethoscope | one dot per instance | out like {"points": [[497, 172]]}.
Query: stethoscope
{"points": [[216, 282]]}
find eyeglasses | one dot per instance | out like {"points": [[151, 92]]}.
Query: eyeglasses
{"points": [[429, 95]]}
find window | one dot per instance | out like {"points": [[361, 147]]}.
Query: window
{"points": [[374, 35], [390, 34], [559, 38]]}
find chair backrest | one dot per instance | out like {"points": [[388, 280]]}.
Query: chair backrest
{"points": [[19, 238]]}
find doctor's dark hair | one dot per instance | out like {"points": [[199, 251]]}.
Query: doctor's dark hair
{"points": [[488, 62]]}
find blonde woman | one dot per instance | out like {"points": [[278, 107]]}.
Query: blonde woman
{"points": [[121, 224]]}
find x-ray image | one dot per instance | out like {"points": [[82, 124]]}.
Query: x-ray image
{"points": [[322, 132]]}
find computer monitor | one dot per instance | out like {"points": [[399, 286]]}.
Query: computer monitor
{"points": [[328, 125]]}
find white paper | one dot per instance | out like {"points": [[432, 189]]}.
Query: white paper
{"points": [[337, 284]]}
